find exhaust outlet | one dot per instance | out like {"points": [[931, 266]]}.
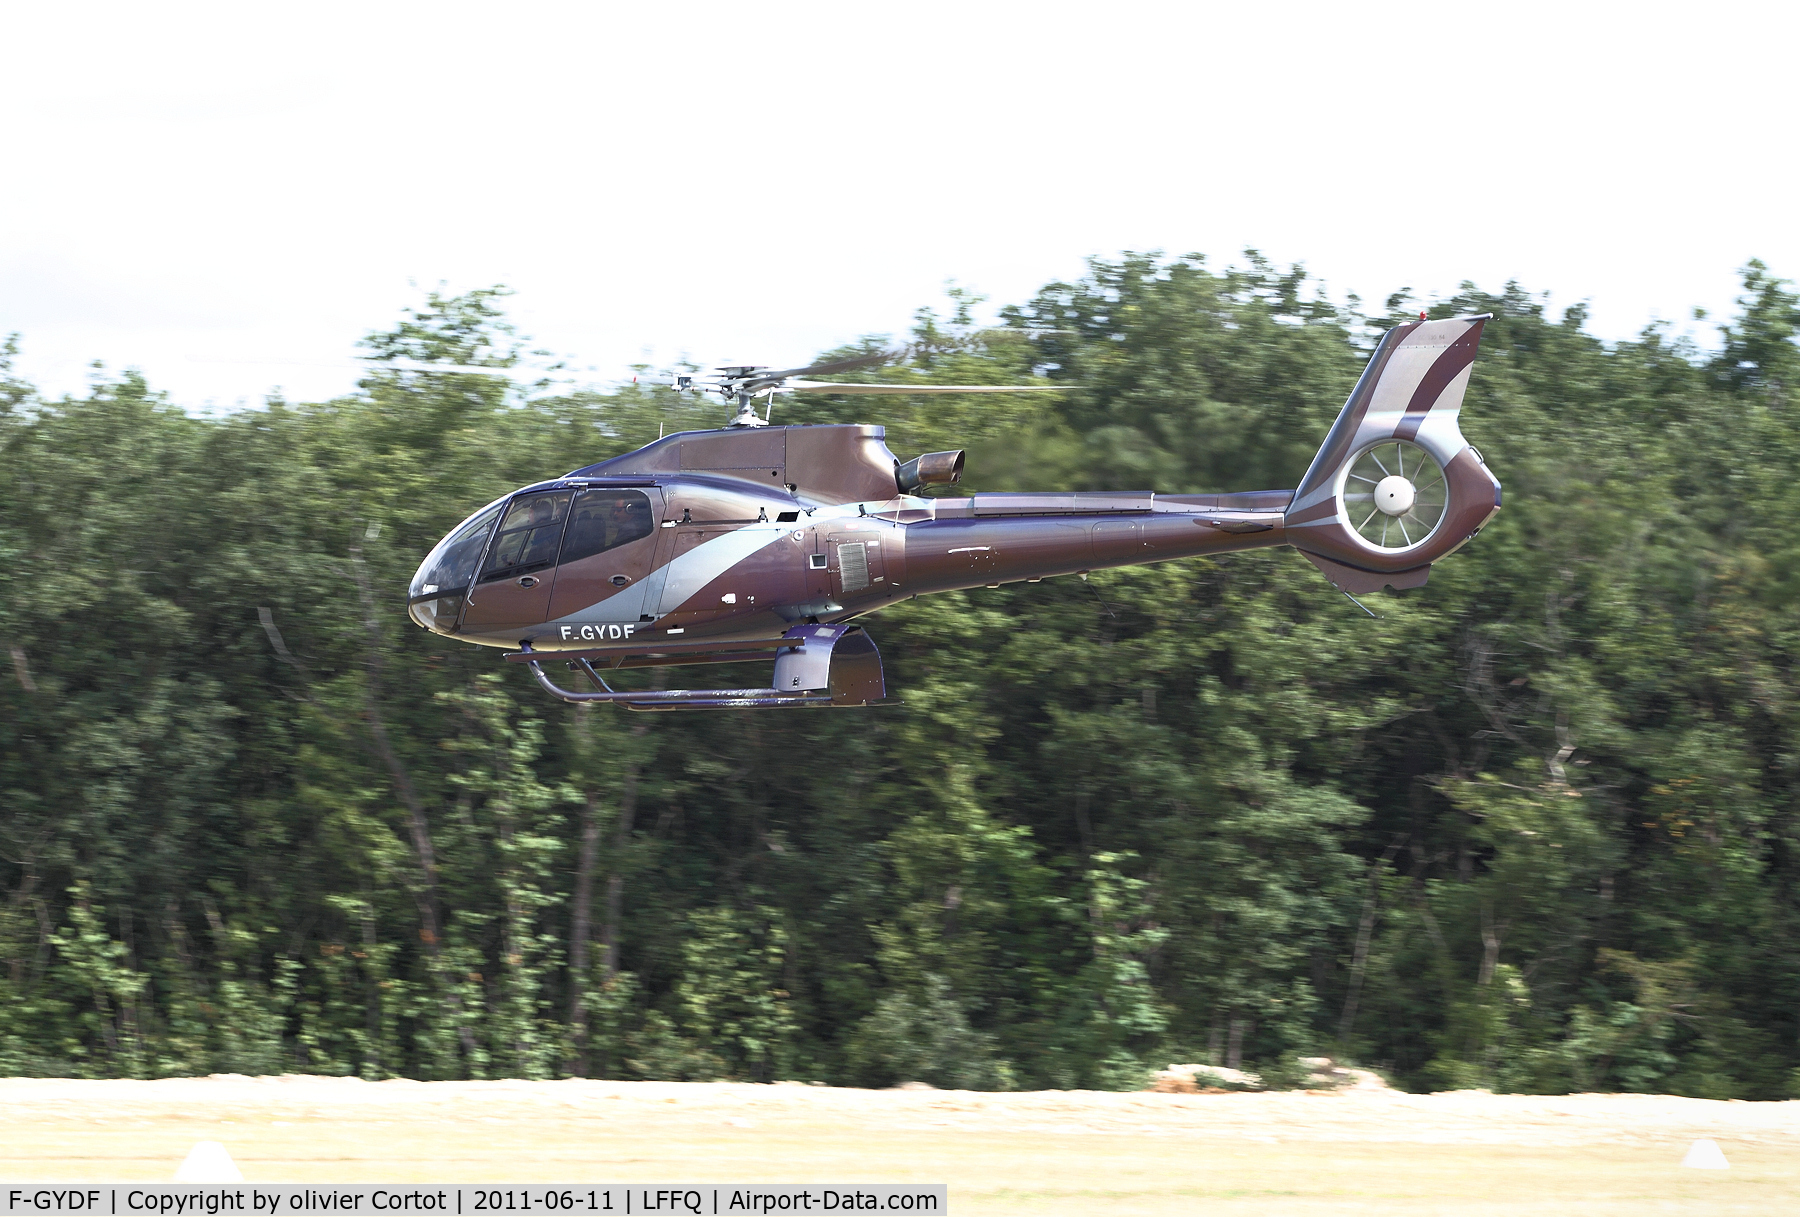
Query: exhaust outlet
{"points": [[932, 469]]}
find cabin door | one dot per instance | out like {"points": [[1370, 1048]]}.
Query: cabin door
{"points": [[513, 589], [608, 553]]}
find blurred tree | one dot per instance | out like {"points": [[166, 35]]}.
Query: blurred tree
{"points": [[1536, 827]]}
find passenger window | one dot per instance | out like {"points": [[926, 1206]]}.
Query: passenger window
{"points": [[528, 535], [606, 519]]}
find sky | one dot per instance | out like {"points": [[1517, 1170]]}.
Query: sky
{"points": [[229, 196]]}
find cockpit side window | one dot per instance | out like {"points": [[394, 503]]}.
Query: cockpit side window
{"points": [[606, 519], [529, 535]]}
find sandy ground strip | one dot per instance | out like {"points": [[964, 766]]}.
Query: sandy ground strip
{"points": [[1033, 1152]]}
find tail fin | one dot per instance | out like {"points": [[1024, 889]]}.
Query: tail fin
{"points": [[1396, 486]]}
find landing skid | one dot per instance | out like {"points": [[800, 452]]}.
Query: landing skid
{"points": [[818, 667]]}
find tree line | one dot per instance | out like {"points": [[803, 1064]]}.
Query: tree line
{"points": [[1534, 827]]}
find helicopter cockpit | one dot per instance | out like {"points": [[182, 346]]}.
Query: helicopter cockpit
{"points": [[501, 566]]}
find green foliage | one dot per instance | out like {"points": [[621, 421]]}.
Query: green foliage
{"points": [[1536, 828], [925, 1039]]}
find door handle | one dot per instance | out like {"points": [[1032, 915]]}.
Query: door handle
{"points": [[528, 581], [619, 580]]}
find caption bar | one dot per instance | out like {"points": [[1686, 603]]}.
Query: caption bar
{"points": [[467, 1200]]}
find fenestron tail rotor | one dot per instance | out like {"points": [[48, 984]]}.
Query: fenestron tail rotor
{"points": [[1395, 494], [1396, 486]]}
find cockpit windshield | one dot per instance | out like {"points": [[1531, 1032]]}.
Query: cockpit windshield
{"points": [[436, 595]]}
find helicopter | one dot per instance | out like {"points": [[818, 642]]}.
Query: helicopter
{"points": [[756, 542]]}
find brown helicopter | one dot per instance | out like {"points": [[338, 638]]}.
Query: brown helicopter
{"points": [[754, 542]]}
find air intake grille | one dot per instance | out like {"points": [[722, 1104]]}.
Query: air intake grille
{"points": [[853, 565]]}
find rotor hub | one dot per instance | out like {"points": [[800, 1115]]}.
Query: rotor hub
{"points": [[1395, 495]]}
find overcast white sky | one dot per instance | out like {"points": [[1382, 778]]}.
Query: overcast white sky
{"points": [[228, 196]]}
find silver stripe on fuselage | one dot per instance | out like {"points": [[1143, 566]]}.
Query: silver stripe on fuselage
{"points": [[693, 570], [684, 576], [681, 578]]}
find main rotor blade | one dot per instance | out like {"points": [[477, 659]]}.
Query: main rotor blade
{"points": [[1022, 331], [458, 369], [840, 365], [806, 386]]}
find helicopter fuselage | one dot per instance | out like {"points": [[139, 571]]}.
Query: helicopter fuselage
{"points": [[723, 554], [751, 541]]}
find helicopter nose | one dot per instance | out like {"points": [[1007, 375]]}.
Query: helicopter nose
{"points": [[432, 606], [425, 614], [438, 589]]}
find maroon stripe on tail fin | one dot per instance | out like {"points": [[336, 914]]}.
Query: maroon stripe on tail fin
{"points": [[1448, 366]]}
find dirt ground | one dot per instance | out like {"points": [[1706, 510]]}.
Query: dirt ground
{"points": [[1043, 1152]]}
